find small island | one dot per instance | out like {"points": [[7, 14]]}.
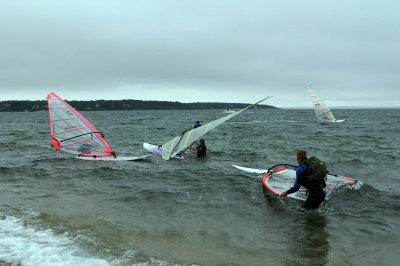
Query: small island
{"points": [[107, 105]]}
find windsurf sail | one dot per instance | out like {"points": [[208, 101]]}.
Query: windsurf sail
{"points": [[322, 110], [182, 142], [71, 132]]}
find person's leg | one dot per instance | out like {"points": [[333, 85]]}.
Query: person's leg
{"points": [[314, 199]]}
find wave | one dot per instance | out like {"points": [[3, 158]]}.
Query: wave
{"points": [[30, 246], [5, 170], [345, 192], [265, 121], [22, 244]]}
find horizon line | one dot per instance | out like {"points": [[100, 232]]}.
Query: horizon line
{"points": [[280, 107]]}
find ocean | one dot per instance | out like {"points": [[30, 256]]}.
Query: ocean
{"points": [[58, 210]]}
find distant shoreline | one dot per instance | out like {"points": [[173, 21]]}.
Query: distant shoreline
{"points": [[124, 105]]}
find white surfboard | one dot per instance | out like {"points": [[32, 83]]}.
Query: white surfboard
{"points": [[154, 149], [250, 170], [227, 111]]}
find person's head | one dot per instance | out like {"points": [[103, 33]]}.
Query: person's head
{"points": [[202, 141], [197, 122], [301, 155]]}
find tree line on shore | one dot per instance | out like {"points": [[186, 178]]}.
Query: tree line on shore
{"points": [[106, 105]]}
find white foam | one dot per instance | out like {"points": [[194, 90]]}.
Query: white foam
{"points": [[31, 246], [357, 185]]}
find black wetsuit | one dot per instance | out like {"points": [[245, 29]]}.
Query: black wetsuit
{"points": [[201, 151], [316, 195], [315, 190], [197, 125]]}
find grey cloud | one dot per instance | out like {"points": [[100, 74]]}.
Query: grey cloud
{"points": [[188, 51]]}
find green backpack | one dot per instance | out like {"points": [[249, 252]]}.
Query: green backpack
{"points": [[318, 170]]}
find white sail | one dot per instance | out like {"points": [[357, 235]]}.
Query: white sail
{"points": [[322, 110], [180, 143]]}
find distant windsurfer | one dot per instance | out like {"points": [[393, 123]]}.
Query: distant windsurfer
{"points": [[197, 124], [201, 149], [315, 191]]}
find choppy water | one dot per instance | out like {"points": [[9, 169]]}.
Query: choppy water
{"points": [[57, 210]]}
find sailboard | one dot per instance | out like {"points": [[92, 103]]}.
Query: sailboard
{"points": [[72, 133], [280, 178], [158, 150], [322, 111], [229, 111], [176, 146]]}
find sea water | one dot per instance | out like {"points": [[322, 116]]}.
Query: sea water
{"points": [[58, 210]]}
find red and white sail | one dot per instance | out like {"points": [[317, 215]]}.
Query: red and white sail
{"points": [[71, 132]]}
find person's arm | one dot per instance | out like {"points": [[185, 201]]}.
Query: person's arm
{"points": [[296, 186], [293, 189], [193, 148]]}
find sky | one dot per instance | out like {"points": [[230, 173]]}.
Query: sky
{"points": [[202, 51]]}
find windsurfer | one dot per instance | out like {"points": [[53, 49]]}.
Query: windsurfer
{"points": [[315, 194], [197, 124], [201, 149]]}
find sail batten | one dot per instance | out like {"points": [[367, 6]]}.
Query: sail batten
{"points": [[180, 143], [71, 132]]}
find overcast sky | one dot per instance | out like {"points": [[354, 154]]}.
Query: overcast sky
{"points": [[218, 50]]}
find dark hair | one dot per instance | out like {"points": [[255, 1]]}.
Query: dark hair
{"points": [[302, 154], [197, 122], [202, 141]]}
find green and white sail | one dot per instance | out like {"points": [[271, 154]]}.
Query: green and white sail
{"points": [[182, 142], [322, 111]]}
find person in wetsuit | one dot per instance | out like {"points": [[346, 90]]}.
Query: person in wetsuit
{"points": [[201, 149], [315, 191], [197, 124]]}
